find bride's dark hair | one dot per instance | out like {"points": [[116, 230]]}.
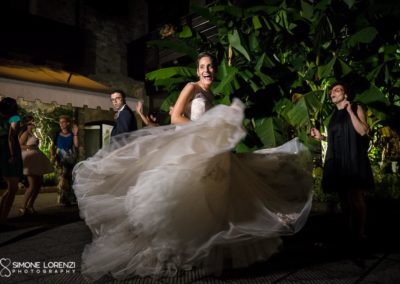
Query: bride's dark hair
{"points": [[206, 54]]}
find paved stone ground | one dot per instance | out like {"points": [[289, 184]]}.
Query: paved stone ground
{"points": [[318, 254]]}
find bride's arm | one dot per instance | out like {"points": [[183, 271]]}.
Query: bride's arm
{"points": [[177, 116]]}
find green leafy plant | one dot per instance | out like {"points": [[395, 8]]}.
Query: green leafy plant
{"points": [[279, 57], [46, 120]]}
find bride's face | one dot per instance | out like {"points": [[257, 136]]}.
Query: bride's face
{"points": [[206, 70]]}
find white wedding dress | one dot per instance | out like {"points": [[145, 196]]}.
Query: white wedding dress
{"points": [[171, 198]]}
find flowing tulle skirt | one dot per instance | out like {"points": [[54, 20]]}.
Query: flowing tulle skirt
{"points": [[36, 163], [171, 198]]}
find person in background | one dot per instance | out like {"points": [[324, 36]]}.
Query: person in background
{"points": [[125, 120], [35, 163], [10, 151], [64, 153], [150, 120], [347, 169]]}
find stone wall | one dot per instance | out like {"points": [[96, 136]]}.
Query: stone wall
{"points": [[86, 115], [110, 32], [107, 34]]}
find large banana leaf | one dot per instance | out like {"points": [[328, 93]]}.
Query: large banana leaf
{"points": [[256, 22], [169, 72], [313, 101], [186, 32], [372, 95], [282, 107], [366, 35], [298, 115], [307, 10], [346, 69], [264, 78], [226, 86], [170, 100], [303, 46], [234, 41], [271, 131], [327, 69]]}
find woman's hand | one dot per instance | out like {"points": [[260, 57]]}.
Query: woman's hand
{"points": [[347, 105], [75, 129], [314, 132], [139, 107]]}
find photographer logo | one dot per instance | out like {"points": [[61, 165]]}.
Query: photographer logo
{"points": [[9, 267]]}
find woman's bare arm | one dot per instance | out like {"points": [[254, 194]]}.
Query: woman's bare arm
{"points": [[358, 120], [177, 116]]}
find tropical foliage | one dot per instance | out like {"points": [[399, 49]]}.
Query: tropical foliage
{"points": [[279, 57], [46, 121]]}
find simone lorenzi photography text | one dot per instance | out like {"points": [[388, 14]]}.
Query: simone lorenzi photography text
{"points": [[9, 267]]}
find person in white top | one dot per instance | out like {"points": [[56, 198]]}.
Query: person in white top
{"points": [[148, 120], [35, 163]]}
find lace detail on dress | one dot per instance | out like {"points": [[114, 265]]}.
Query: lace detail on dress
{"points": [[198, 108], [198, 103]]}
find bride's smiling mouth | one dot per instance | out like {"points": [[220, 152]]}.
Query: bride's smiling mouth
{"points": [[208, 77]]}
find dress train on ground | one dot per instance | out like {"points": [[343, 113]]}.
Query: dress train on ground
{"points": [[171, 198]]}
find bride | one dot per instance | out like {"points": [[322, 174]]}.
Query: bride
{"points": [[171, 198]]}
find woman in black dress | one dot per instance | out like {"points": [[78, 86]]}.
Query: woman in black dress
{"points": [[347, 170]]}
